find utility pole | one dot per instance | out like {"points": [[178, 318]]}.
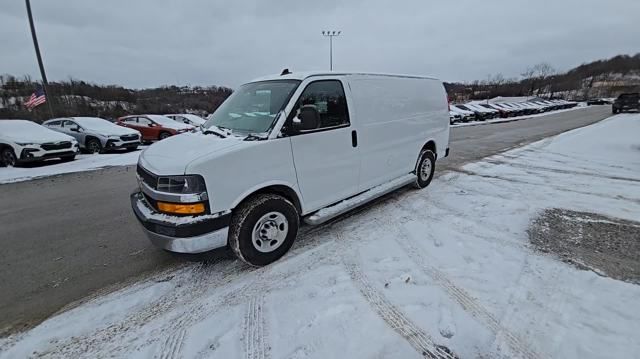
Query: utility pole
{"points": [[45, 84], [331, 35]]}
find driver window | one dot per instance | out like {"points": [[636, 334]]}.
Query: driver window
{"points": [[327, 97], [144, 121]]}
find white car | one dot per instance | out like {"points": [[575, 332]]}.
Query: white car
{"points": [[25, 141], [466, 114], [285, 148], [95, 134], [189, 119]]}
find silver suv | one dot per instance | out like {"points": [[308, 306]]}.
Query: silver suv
{"points": [[95, 134]]}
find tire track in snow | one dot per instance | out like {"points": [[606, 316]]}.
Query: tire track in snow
{"points": [[255, 336], [172, 346], [264, 279], [394, 317], [519, 348]]}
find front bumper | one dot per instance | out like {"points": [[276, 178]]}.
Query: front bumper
{"points": [[31, 154], [119, 144], [190, 234]]}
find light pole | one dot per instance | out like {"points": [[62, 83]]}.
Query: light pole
{"points": [[45, 84], [331, 35]]}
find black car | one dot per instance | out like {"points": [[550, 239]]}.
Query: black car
{"points": [[626, 102], [597, 101]]}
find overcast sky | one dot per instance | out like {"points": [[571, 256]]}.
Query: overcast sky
{"points": [[146, 43]]}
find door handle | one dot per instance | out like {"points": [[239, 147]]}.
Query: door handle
{"points": [[354, 138]]}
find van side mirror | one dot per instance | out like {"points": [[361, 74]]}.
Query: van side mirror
{"points": [[308, 118]]}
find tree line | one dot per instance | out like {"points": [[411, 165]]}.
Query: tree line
{"points": [[602, 78], [80, 98]]}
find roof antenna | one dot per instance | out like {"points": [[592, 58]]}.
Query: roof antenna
{"points": [[285, 72]]}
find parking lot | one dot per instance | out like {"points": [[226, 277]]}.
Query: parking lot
{"points": [[84, 239]]}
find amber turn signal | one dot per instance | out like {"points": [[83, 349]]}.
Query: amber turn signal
{"points": [[175, 208]]}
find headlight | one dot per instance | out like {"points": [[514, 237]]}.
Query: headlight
{"points": [[114, 137], [25, 144], [191, 184]]}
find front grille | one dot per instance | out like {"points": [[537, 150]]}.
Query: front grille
{"points": [[50, 146], [129, 137], [147, 177]]}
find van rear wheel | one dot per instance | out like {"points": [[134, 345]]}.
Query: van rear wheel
{"points": [[425, 169], [263, 229]]}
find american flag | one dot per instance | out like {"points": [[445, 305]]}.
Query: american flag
{"points": [[37, 98]]}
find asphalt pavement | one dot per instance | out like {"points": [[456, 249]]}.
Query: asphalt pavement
{"points": [[67, 237]]}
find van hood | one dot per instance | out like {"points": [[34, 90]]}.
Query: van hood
{"points": [[171, 156]]}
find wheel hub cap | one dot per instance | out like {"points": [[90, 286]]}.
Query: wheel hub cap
{"points": [[269, 232], [425, 169]]}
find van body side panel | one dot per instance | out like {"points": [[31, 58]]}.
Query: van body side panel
{"points": [[396, 116], [257, 164]]}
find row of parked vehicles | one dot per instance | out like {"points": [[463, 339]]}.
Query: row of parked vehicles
{"points": [[482, 111], [23, 141]]}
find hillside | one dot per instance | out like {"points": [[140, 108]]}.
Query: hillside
{"points": [[602, 78], [79, 98]]}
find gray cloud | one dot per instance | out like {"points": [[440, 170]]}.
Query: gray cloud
{"points": [[146, 43]]}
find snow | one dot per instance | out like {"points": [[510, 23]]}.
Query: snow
{"points": [[516, 118], [80, 164], [29, 132], [169, 123], [449, 266]]}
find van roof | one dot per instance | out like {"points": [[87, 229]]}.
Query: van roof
{"points": [[306, 74]]}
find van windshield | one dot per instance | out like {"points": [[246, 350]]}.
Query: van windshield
{"points": [[253, 107]]}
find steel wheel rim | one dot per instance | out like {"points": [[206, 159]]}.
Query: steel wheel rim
{"points": [[163, 136], [270, 232], [425, 169]]}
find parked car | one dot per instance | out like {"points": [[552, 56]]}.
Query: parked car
{"points": [[154, 127], [24, 141], [189, 119], [466, 114], [479, 115], [96, 135], [299, 147], [502, 112], [626, 102], [487, 113], [454, 117], [597, 101]]}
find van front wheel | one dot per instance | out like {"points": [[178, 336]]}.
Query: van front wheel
{"points": [[263, 229], [425, 169]]}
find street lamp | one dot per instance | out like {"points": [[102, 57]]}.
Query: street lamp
{"points": [[331, 35]]}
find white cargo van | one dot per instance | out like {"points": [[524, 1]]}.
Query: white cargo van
{"points": [[285, 148]]}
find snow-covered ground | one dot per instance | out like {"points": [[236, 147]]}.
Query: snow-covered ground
{"points": [[581, 105], [81, 163], [422, 271]]}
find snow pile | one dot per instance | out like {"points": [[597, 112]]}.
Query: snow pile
{"points": [[424, 273], [80, 164]]}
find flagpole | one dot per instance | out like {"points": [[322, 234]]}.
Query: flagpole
{"points": [[45, 84]]}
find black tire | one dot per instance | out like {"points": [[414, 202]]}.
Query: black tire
{"points": [[163, 135], [68, 158], [423, 180], [245, 219], [8, 157], [93, 145]]}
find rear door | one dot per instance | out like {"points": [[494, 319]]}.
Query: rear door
{"points": [[326, 158]]}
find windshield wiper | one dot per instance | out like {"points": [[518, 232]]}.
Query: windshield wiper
{"points": [[222, 132], [256, 136]]}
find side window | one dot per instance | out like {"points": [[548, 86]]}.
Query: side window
{"points": [[144, 121], [327, 96], [69, 124], [54, 124]]}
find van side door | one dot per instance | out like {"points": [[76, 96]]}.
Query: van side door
{"points": [[326, 158]]}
